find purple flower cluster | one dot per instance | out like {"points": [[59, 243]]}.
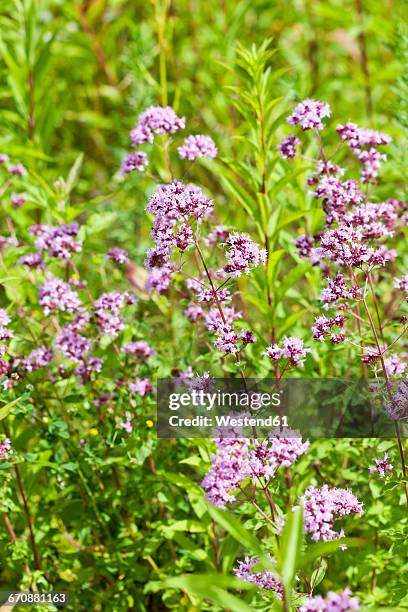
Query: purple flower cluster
{"points": [[394, 365], [73, 346], [222, 326], [17, 169], [364, 142], [323, 506], [266, 457], [5, 449], [264, 579], [334, 602], [347, 247], [139, 349], [90, 366], [159, 278], [309, 114], [229, 469], [402, 283], [198, 146], [118, 255], [292, 349], [375, 220], [178, 202], [194, 313], [336, 196], [107, 310], [226, 339], [5, 336], [357, 138], [156, 120], [32, 260], [382, 466], [57, 241], [39, 357], [218, 235], [323, 327], [398, 405], [141, 386], [211, 296], [17, 200], [338, 289], [134, 161], [236, 460], [4, 318], [56, 294], [175, 206], [242, 254], [287, 148]]}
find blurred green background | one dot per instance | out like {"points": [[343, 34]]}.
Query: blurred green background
{"points": [[75, 75]]}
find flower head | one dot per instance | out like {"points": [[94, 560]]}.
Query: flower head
{"points": [[159, 278], [156, 120], [242, 255], [323, 506], [134, 161], [118, 255], [38, 358], [59, 241], [382, 466], [141, 386], [5, 449], [17, 200], [292, 349], [139, 349], [198, 146], [17, 170], [334, 602], [309, 114], [287, 148], [56, 294], [229, 469], [264, 579]]}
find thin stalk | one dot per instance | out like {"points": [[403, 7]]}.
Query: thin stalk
{"points": [[30, 524], [362, 42], [161, 9], [386, 377], [214, 541], [10, 528]]}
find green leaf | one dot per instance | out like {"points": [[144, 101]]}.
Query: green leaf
{"points": [[231, 524], [211, 587], [290, 218], [73, 175], [184, 525], [291, 279], [289, 322], [319, 573], [273, 261], [245, 199], [291, 546], [314, 551], [5, 411]]}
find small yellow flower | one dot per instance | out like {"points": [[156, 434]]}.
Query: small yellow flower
{"points": [[75, 276], [149, 423], [93, 431]]}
